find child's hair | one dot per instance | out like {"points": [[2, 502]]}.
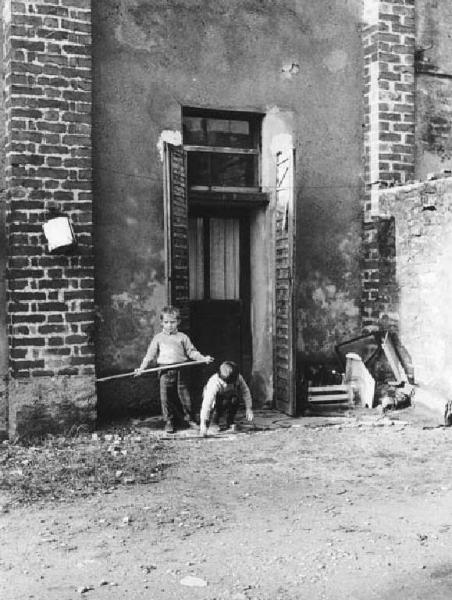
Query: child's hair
{"points": [[170, 310], [228, 371]]}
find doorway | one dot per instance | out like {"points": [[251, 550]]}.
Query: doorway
{"points": [[229, 229], [219, 275], [223, 172]]}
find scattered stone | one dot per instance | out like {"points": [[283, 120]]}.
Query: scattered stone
{"points": [[85, 588], [422, 538], [148, 568], [191, 581]]}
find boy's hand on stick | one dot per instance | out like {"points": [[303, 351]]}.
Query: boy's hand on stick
{"points": [[137, 372], [209, 359]]}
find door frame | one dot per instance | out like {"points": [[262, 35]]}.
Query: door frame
{"points": [[260, 206], [243, 215]]}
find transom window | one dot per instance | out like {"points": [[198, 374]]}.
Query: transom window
{"points": [[222, 150]]}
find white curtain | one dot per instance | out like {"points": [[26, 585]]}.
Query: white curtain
{"points": [[224, 259], [224, 253], [196, 258]]}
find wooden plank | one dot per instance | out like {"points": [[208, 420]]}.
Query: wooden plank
{"points": [[330, 388], [330, 394], [189, 363]]}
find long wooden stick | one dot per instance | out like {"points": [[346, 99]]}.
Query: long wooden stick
{"points": [[189, 363]]}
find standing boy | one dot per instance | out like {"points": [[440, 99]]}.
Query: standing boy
{"points": [[222, 394], [169, 347]]}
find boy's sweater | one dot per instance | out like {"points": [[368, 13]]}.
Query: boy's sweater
{"points": [[171, 348], [216, 385]]}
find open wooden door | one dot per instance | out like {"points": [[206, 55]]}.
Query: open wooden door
{"points": [[176, 230], [284, 359]]}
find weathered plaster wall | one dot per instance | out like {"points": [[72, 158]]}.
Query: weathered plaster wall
{"points": [[423, 224], [151, 57], [433, 87]]}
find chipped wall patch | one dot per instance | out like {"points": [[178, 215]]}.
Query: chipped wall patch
{"points": [[290, 69], [370, 12], [336, 61], [172, 137]]}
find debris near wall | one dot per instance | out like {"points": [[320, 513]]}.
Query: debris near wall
{"points": [[383, 362], [78, 465], [372, 371]]}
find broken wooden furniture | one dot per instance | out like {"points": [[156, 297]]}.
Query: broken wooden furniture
{"points": [[330, 395], [386, 363]]}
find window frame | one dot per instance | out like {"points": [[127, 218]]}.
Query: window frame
{"points": [[255, 122]]}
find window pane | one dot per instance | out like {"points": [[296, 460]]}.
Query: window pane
{"points": [[225, 133], [194, 131], [198, 168], [229, 134], [221, 170], [233, 170]]}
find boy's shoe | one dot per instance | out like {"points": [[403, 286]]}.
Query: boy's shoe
{"points": [[191, 425], [214, 429], [169, 428], [232, 427]]}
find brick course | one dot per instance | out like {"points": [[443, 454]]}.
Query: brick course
{"points": [[47, 58]]}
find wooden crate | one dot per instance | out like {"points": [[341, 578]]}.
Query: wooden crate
{"points": [[330, 395]]}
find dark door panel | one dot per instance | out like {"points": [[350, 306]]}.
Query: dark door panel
{"points": [[216, 329]]}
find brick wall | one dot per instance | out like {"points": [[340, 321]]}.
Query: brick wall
{"points": [[47, 46], [389, 156], [423, 223]]}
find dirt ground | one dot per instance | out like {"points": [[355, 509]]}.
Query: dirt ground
{"points": [[356, 506]]}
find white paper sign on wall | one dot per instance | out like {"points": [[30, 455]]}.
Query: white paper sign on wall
{"points": [[59, 234]]}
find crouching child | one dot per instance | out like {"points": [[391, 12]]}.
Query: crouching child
{"points": [[222, 395]]}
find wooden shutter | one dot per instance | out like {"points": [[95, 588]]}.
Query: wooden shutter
{"points": [[284, 337], [176, 230]]}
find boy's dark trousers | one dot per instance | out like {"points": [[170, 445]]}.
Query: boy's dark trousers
{"points": [[228, 403], [174, 386]]}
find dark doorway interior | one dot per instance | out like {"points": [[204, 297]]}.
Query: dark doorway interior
{"points": [[220, 287]]}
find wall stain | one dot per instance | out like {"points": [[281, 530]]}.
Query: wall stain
{"points": [[328, 310], [128, 320]]}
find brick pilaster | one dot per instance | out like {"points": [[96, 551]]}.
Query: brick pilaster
{"points": [[389, 144], [48, 166]]}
